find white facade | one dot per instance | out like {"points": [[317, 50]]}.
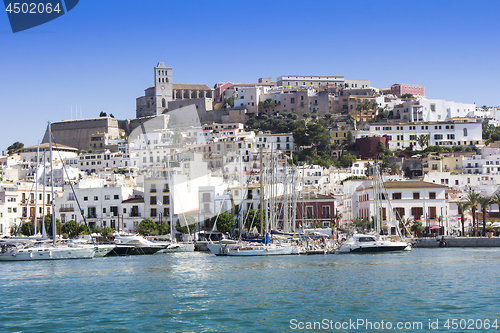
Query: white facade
{"points": [[456, 133], [308, 80], [282, 141], [409, 200], [99, 202]]}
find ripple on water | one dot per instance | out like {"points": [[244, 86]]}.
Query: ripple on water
{"points": [[196, 292]]}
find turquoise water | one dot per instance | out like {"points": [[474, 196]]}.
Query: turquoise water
{"points": [[198, 292]]}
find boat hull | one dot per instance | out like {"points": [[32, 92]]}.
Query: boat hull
{"points": [[48, 254], [373, 249], [178, 247], [133, 250]]}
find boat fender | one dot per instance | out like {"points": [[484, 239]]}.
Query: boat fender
{"points": [[31, 255], [13, 254]]}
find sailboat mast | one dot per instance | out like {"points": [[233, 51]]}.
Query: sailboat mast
{"points": [[240, 222], [52, 188], [262, 210], [36, 187], [44, 232], [169, 173]]}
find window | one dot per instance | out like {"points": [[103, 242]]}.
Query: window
{"points": [[396, 196], [152, 200], [399, 212], [85, 198], [166, 200], [153, 212], [325, 212], [416, 195], [432, 195], [116, 196], [417, 212], [465, 131], [96, 198], [309, 212], [432, 213]]}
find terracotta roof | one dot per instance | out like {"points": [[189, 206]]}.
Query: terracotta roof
{"points": [[133, 200], [408, 184], [190, 86], [45, 146]]}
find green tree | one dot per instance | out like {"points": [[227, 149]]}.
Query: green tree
{"points": [[347, 160], [70, 228], [186, 224], [48, 226], [306, 115], [473, 200], [462, 208], [484, 202], [106, 232], [147, 227], [252, 219], [394, 169], [423, 140], [266, 105], [417, 228], [225, 222], [15, 147], [27, 229], [229, 102]]}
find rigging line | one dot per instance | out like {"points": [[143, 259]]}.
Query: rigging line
{"points": [[248, 213], [73, 190], [241, 206], [215, 222]]}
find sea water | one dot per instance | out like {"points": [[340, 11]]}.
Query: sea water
{"points": [[199, 292]]}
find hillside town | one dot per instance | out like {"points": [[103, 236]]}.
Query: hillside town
{"points": [[305, 145]]}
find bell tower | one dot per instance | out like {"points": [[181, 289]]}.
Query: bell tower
{"points": [[163, 87]]}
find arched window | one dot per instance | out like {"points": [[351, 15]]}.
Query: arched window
{"points": [[166, 80], [163, 103], [465, 131], [161, 72], [163, 80], [159, 80]]}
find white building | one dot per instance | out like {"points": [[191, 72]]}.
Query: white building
{"points": [[417, 200], [99, 202], [453, 133], [427, 110]]}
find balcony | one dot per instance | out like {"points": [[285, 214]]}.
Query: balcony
{"points": [[135, 214], [65, 210]]}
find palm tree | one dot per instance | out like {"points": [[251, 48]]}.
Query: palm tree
{"points": [[423, 140], [484, 202], [462, 208], [496, 200], [473, 200]]}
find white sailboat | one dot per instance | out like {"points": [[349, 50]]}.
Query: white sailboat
{"points": [[28, 251], [362, 243]]}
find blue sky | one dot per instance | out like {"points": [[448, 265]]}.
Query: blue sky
{"points": [[100, 56]]}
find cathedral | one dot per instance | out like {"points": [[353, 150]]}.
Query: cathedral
{"points": [[165, 96]]}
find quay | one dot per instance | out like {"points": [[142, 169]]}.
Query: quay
{"points": [[457, 242]]}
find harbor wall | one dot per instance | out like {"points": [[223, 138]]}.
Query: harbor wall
{"points": [[457, 242]]}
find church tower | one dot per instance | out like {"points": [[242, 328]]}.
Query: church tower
{"points": [[163, 87]]}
